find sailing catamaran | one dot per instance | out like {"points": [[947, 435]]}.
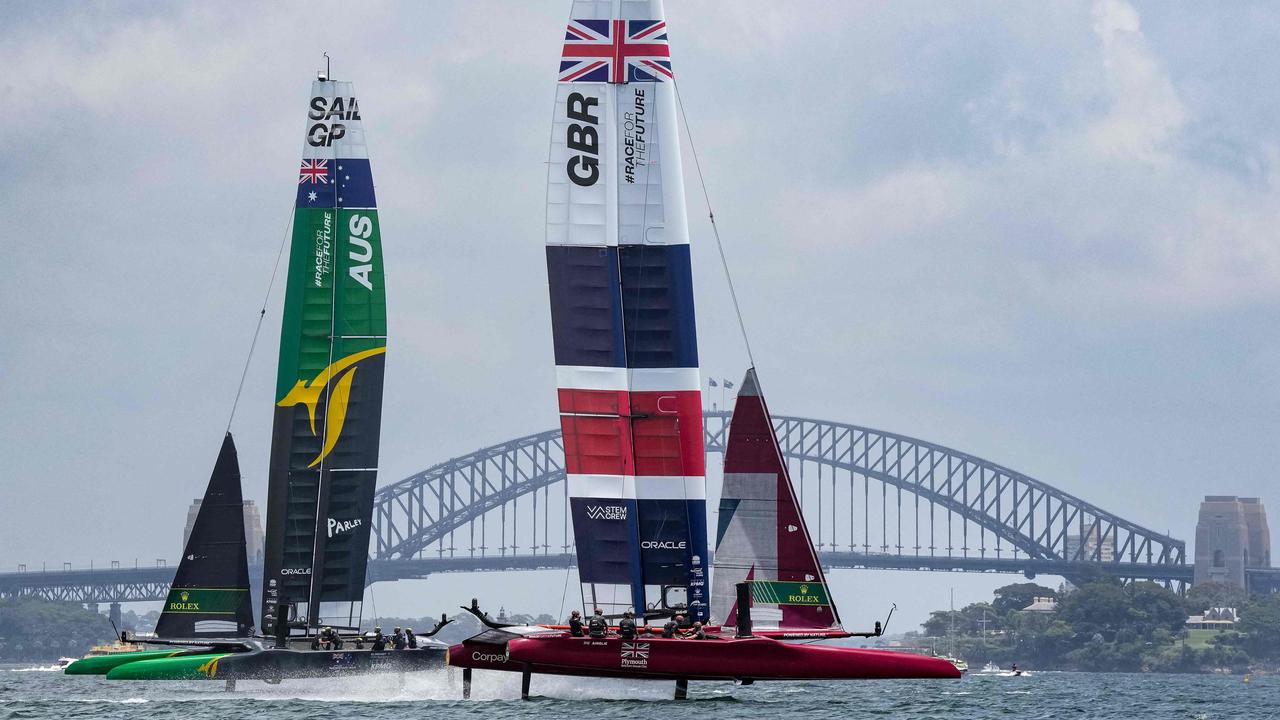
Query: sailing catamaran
{"points": [[324, 450], [630, 408]]}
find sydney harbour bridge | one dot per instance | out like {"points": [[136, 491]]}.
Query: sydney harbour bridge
{"points": [[872, 499]]}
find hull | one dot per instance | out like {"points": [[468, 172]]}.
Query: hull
{"points": [[103, 664], [275, 665], [756, 658]]}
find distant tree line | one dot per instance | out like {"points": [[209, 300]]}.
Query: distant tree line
{"points": [[1104, 625], [32, 629]]}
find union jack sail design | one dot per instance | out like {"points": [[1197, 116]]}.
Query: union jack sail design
{"points": [[761, 536], [622, 315], [328, 403]]}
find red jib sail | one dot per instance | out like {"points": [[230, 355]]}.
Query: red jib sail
{"points": [[761, 537]]}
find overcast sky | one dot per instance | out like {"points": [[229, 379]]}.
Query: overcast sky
{"points": [[1042, 233]]}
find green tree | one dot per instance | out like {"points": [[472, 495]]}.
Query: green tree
{"points": [[35, 629], [1259, 626], [1211, 595], [1019, 595]]}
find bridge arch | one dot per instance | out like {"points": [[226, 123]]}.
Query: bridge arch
{"points": [[981, 510]]}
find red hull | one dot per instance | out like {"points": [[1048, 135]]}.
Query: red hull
{"points": [[712, 659]]}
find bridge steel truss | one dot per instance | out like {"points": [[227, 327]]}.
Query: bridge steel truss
{"points": [[871, 499]]}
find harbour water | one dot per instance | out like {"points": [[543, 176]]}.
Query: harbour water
{"points": [[1037, 696]]}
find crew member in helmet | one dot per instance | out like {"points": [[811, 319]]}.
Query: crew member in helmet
{"points": [[575, 624], [597, 626], [379, 640], [398, 640], [669, 628], [627, 626], [696, 632], [411, 639]]}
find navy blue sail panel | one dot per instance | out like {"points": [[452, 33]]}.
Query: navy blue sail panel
{"points": [[586, 306], [605, 529], [667, 532], [657, 306], [335, 182]]}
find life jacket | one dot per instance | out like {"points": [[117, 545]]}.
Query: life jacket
{"points": [[598, 626]]}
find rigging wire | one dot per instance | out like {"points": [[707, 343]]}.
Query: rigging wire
{"points": [[714, 229], [275, 270]]}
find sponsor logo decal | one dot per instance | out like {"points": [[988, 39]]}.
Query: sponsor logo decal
{"points": [[635, 147], [182, 603], [295, 571], [341, 526], [325, 111], [663, 545], [323, 250], [634, 655], [308, 394], [489, 657], [607, 512], [581, 137]]}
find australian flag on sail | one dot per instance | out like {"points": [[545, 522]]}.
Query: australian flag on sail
{"points": [[615, 51], [335, 182]]}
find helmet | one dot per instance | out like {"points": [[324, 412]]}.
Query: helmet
{"points": [[377, 628], [397, 628], [408, 630], [697, 625], [599, 611], [575, 613], [628, 614]]}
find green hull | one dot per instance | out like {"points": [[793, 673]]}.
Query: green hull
{"points": [[102, 664], [188, 667]]}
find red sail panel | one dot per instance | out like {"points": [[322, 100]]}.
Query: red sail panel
{"points": [[761, 536]]}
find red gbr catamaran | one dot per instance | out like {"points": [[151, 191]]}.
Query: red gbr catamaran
{"points": [[630, 400]]}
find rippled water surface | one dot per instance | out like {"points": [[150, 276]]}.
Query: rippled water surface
{"points": [[35, 694]]}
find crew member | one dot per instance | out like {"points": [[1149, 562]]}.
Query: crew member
{"points": [[410, 638], [575, 624], [669, 628], [597, 626], [696, 632], [398, 640], [335, 640], [627, 626], [379, 640]]}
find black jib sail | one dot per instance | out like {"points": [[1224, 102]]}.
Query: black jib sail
{"points": [[210, 593]]}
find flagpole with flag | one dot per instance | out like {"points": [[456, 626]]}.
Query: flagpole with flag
{"points": [[711, 382]]}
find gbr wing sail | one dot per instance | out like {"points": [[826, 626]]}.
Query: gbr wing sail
{"points": [[622, 314], [761, 537], [333, 341]]}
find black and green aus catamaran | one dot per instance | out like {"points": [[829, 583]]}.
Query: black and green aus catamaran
{"points": [[324, 448]]}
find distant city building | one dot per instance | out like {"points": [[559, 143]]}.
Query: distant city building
{"points": [[253, 535], [1042, 605], [1231, 535], [1107, 552]]}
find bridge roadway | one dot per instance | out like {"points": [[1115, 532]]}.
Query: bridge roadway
{"points": [[151, 584]]}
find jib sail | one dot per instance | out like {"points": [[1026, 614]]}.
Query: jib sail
{"points": [[761, 536], [324, 448], [210, 592], [622, 314]]}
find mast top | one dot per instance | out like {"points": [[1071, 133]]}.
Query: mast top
{"points": [[323, 75]]}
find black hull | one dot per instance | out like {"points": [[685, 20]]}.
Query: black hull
{"points": [[273, 664]]}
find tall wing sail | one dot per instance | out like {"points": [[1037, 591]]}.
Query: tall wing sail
{"points": [[324, 448], [210, 592], [622, 314], [761, 536]]}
